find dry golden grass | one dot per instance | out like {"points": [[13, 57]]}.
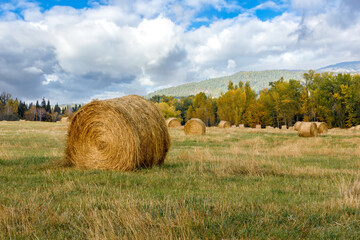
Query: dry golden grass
{"points": [[228, 184]]}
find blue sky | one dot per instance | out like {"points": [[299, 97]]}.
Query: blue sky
{"points": [[75, 51]]}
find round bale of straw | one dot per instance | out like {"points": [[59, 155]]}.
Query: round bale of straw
{"points": [[258, 126], [357, 128], [195, 127], [322, 127], [308, 129], [173, 123], [283, 127], [64, 119], [224, 124], [121, 134], [297, 126]]}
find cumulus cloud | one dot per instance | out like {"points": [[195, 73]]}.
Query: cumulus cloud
{"points": [[134, 47]]}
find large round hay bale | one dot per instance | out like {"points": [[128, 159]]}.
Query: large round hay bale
{"points": [[297, 126], [195, 127], [122, 133], [308, 129], [224, 124], [64, 119], [173, 123], [322, 127], [258, 126]]}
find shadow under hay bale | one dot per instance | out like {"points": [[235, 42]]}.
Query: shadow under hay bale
{"points": [[322, 127], [308, 129], [297, 126], [195, 126], [224, 124], [173, 123], [122, 134]]}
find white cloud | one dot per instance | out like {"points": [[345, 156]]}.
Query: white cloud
{"points": [[133, 47]]}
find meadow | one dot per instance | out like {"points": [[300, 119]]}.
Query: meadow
{"points": [[228, 184]]}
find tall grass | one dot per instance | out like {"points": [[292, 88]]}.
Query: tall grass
{"points": [[229, 183]]}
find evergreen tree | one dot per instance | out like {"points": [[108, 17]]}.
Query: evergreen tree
{"points": [[48, 107], [57, 108]]}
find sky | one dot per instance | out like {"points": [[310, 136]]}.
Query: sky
{"points": [[73, 51]]}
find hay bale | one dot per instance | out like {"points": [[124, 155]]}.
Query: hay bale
{"points": [[173, 123], [297, 126], [241, 126], [233, 126], [283, 127], [195, 127], [258, 126], [269, 127], [357, 128], [122, 134], [64, 120], [308, 129], [351, 129], [224, 124], [322, 127]]}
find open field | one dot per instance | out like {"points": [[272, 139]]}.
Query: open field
{"points": [[229, 183]]}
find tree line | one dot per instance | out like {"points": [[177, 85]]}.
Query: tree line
{"points": [[326, 97], [13, 109]]}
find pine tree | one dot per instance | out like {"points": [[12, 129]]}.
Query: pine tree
{"points": [[48, 107]]}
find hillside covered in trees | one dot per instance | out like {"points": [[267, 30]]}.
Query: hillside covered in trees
{"points": [[325, 97], [215, 86]]}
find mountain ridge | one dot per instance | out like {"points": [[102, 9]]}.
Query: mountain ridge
{"points": [[257, 79]]}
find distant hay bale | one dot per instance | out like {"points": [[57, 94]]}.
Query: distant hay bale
{"points": [[241, 126], [173, 123], [351, 129], [269, 127], [308, 129], [233, 126], [194, 127], [121, 134], [283, 127], [258, 126], [297, 126], [224, 124], [357, 128], [64, 120], [322, 127]]}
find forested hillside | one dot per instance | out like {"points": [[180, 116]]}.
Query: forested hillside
{"points": [[215, 86]]}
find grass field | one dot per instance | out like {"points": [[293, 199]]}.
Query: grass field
{"points": [[228, 184]]}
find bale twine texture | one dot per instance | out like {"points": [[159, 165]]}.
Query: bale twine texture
{"points": [[122, 134], [173, 123], [297, 126], [195, 127], [322, 127], [224, 124], [308, 129]]}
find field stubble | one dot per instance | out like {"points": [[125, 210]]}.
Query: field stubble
{"points": [[229, 183]]}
